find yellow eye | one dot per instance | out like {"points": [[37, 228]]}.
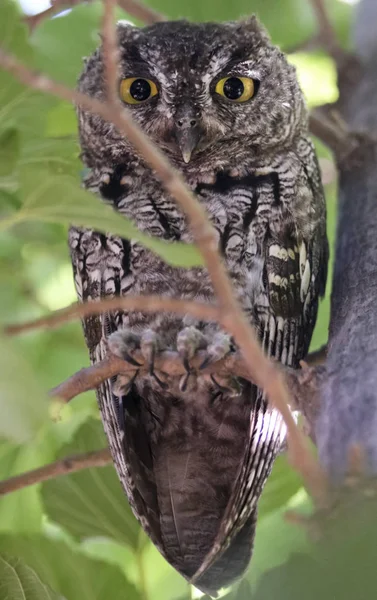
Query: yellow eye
{"points": [[237, 89], [135, 90]]}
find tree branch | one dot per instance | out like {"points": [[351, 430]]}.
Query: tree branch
{"points": [[327, 33], [110, 51], [150, 304], [133, 8], [69, 464], [349, 393], [262, 370]]}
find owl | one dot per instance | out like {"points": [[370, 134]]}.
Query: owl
{"points": [[224, 105]]}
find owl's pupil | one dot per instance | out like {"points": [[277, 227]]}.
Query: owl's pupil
{"points": [[140, 90], [233, 88]]}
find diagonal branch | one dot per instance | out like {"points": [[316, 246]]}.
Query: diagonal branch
{"points": [[110, 50], [133, 8], [327, 32], [262, 370], [69, 464]]}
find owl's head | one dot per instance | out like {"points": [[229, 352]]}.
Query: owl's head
{"points": [[201, 91]]}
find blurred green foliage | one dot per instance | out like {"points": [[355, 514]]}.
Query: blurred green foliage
{"points": [[77, 534]]}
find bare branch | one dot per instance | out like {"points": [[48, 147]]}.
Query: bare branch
{"points": [[34, 20], [327, 33], [69, 464], [262, 370], [133, 8], [349, 147], [150, 304], [110, 50], [329, 132]]}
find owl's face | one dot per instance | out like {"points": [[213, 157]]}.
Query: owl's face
{"points": [[199, 90]]}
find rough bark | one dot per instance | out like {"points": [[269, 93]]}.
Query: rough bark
{"points": [[349, 393]]}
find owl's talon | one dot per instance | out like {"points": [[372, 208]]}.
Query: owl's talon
{"points": [[122, 343], [126, 356], [186, 364], [123, 384], [220, 387], [184, 381], [151, 361], [163, 385], [206, 362]]}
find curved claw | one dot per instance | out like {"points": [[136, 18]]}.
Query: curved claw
{"points": [[218, 385], [184, 381], [206, 362], [186, 364], [163, 385], [126, 356], [151, 361]]}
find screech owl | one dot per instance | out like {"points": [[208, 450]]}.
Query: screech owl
{"points": [[225, 106]]}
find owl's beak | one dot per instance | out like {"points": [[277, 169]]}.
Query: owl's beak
{"points": [[187, 133]]}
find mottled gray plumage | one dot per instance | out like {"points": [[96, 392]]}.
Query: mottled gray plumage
{"points": [[193, 458]]}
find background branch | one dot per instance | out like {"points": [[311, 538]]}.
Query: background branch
{"points": [[69, 464], [327, 33], [349, 393], [133, 8]]}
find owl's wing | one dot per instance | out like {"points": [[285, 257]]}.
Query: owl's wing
{"points": [[294, 278], [100, 270]]}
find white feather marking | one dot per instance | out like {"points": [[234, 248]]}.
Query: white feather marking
{"points": [[305, 282], [302, 258]]}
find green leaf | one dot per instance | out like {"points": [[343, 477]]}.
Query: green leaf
{"points": [[9, 150], [60, 199], [23, 403], [62, 121], [81, 27], [20, 106], [21, 511], [281, 486], [19, 582], [342, 566], [90, 503], [276, 539], [68, 571]]}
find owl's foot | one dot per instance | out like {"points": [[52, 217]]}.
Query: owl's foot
{"points": [[190, 341], [124, 343]]}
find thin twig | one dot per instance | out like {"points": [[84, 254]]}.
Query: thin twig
{"points": [[262, 370], [330, 133], [133, 8], [150, 304], [349, 147], [69, 464], [57, 6], [327, 32], [110, 50]]}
